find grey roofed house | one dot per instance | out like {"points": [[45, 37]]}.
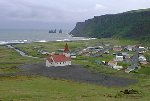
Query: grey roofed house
{"points": [[44, 52], [106, 51], [131, 68], [107, 45], [128, 70], [142, 58], [98, 48], [125, 54], [119, 54], [130, 47], [142, 50], [73, 55]]}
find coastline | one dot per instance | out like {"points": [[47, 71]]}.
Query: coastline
{"points": [[16, 38], [43, 41]]}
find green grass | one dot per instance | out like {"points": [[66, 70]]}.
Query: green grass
{"points": [[45, 89], [32, 49], [10, 59], [35, 88], [89, 62]]}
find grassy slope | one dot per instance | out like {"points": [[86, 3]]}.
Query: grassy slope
{"points": [[45, 89], [130, 25], [25, 88], [9, 59]]}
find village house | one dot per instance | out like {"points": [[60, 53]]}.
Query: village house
{"points": [[107, 45], [142, 58], [129, 69], [106, 52], [117, 48], [43, 52], [129, 48], [125, 55], [112, 63], [62, 59], [118, 67], [141, 50], [144, 62], [119, 57], [73, 55]]}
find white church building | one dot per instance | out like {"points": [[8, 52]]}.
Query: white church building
{"points": [[59, 59]]}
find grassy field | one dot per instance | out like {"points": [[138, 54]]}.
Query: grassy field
{"points": [[45, 89], [9, 59], [32, 49], [36, 88]]}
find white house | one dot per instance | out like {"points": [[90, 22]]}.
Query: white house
{"points": [[119, 58], [142, 50], [118, 67], [59, 59], [142, 58]]}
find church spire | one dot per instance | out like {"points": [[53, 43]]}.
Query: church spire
{"points": [[66, 50]]}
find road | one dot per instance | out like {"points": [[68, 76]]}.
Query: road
{"points": [[135, 59]]}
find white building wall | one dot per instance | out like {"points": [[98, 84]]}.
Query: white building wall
{"points": [[48, 64], [119, 58], [66, 54], [117, 67], [68, 62]]}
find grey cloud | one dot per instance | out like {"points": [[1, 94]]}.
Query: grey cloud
{"points": [[26, 11], [61, 12]]}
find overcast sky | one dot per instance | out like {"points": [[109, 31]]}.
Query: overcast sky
{"points": [[60, 13]]}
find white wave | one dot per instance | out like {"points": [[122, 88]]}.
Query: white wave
{"points": [[11, 42], [41, 41], [3, 42], [59, 40]]}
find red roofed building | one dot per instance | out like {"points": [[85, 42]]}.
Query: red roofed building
{"points": [[59, 59]]}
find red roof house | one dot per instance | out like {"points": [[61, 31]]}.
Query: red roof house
{"points": [[59, 59]]}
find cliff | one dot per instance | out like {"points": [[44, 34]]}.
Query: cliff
{"points": [[132, 25]]}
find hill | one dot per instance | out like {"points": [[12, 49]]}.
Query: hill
{"points": [[131, 25]]}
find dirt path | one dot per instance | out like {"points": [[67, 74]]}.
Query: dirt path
{"points": [[75, 73]]}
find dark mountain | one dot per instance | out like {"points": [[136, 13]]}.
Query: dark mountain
{"points": [[131, 25]]}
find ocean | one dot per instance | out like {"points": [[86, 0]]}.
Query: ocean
{"points": [[27, 36]]}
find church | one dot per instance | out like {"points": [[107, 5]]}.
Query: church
{"points": [[62, 59]]}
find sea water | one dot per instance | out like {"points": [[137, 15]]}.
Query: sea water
{"points": [[27, 36]]}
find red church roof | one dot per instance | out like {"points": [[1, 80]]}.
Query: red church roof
{"points": [[58, 58], [66, 50]]}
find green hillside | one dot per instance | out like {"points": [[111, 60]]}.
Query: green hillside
{"points": [[132, 25]]}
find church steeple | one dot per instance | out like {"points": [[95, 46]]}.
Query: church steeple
{"points": [[66, 50]]}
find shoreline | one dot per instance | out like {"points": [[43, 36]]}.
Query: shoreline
{"points": [[38, 37]]}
